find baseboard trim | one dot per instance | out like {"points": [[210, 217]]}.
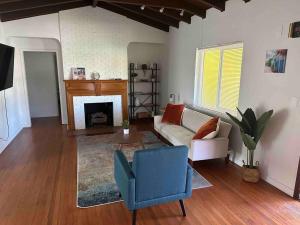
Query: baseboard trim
{"points": [[5, 144], [282, 187], [278, 185]]}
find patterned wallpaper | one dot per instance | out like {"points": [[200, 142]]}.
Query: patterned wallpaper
{"points": [[97, 39]]}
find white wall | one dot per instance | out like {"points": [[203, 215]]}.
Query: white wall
{"points": [[46, 26], [42, 83], [14, 104], [97, 39], [260, 25]]}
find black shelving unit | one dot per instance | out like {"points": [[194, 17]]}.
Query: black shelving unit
{"points": [[153, 94]]}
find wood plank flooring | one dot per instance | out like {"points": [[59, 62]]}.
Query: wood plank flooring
{"points": [[38, 187]]}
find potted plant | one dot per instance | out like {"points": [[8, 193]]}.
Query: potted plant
{"points": [[251, 130], [125, 126]]}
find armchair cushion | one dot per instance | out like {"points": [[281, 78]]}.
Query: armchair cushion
{"points": [[160, 172]]}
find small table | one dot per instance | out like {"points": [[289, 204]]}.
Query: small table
{"points": [[133, 137]]}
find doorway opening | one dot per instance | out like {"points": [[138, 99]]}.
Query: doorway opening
{"points": [[42, 84]]}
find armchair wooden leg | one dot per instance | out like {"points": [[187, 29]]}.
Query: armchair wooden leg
{"points": [[182, 207], [134, 217]]}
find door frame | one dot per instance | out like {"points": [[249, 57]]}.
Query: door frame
{"points": [[297, 184], [60, 80]]}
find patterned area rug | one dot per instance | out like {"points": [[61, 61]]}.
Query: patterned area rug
{"points": [[95, 179]]}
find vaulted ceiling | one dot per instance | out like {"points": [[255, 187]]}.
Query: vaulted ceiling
{"points": [[160, 14]]}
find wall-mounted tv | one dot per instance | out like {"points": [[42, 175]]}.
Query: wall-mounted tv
{"points": [[7, 55]]}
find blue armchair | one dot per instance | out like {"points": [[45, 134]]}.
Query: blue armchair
{"points": [[155, 176]]}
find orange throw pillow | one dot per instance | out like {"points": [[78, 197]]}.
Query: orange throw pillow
{"points": [[173, 114], [207, 128]]}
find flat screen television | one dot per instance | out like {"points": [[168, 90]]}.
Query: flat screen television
{"points": [[7, 55]]}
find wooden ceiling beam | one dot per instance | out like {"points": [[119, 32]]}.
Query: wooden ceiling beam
{"points": [[21, 14], [173, 13], [95, 2], [133, 16], [9, 1], [24, 5], [174, 4], [154, 15]]}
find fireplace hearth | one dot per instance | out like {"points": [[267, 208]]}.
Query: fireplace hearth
{"points": [[98, 114]]}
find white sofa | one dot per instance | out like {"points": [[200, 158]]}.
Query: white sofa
{"points": [[182, 135]]}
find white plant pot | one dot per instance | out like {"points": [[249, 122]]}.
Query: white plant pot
{"points": [[126, 131]]}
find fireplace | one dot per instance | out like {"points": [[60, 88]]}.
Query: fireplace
{"points": [[110, 105], [80, 92], [98, 114]]}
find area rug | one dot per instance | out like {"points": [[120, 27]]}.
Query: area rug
{"points": [[95, 179]]}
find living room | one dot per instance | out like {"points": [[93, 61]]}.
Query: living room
{"points": [[166, 72]]}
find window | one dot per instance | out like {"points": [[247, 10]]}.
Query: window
{"points": [[218, 74]]}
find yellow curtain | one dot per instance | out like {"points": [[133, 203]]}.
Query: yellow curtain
{"points": [[210, 80], [231, 75]]}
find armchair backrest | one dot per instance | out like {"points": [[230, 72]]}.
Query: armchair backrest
{"points": [[160, 172]]}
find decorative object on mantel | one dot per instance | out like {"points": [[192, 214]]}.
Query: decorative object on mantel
{"points": [[95, 76], [125, 126], [276, 61], [251, 130], [294, 31], [78, 73]]}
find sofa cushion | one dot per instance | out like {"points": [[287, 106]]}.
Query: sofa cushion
{"points": [[158, 125], [209, 130], [193, 120], [177, 135], [173, 114]]}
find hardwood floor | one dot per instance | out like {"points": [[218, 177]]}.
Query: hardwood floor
{"points": [[38, 187]]}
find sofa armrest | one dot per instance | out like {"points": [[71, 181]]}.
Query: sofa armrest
{"points": [[124, 178], [157, 119], [157, 122], [209, 148]]}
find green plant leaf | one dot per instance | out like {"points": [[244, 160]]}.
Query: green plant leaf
{"points": [[245, 121], [250, 115], [237, 122], [248, 141], [261, 124]]}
